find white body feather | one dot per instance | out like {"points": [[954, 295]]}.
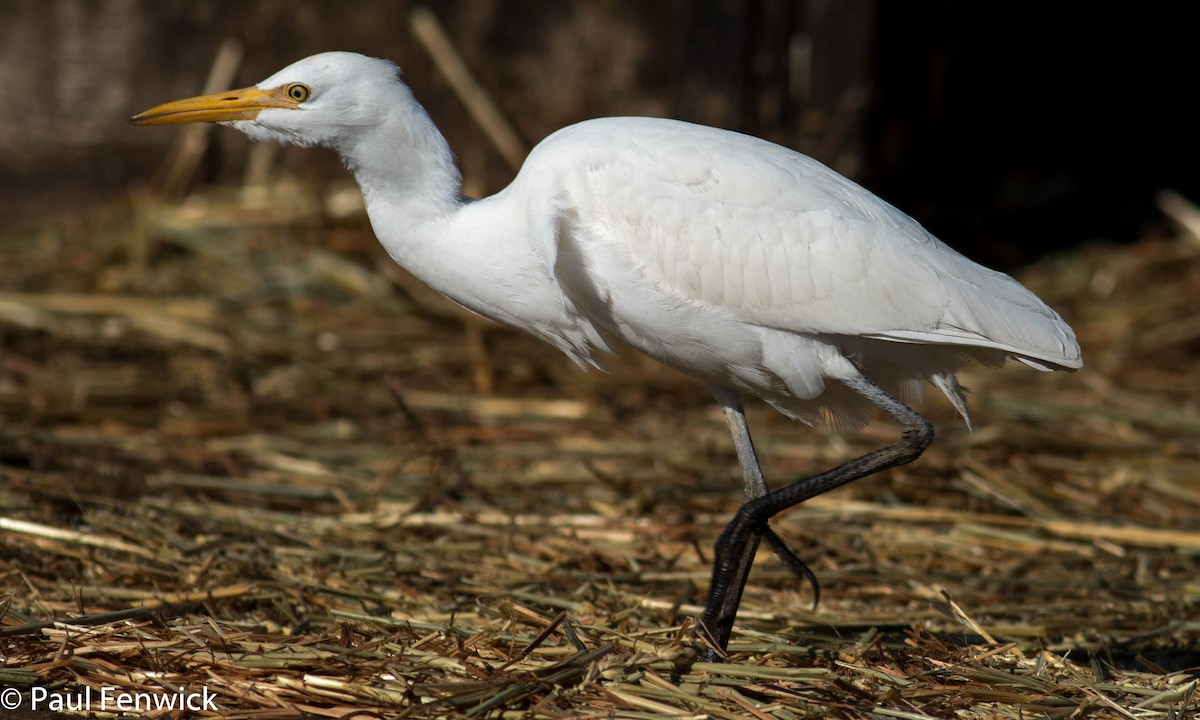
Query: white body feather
{"points": [[729, 258]]}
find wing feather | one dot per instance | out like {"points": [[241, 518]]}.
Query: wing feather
{"points": [[774, 238]]}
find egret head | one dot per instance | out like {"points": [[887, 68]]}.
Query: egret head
{"points": [[325, 99]]}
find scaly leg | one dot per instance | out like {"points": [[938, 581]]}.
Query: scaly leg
{"points": [[736, 547], [755, 488]]}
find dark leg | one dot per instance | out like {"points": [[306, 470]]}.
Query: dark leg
{"points": [[731, 566], [755, 488]]}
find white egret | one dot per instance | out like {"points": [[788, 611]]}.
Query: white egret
{"points": [[739, 262]]}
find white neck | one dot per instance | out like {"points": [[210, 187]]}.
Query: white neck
{"points": [[412, 191], [482, 254], [404, 160]]}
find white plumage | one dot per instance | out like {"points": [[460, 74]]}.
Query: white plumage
{"points": [[750, 265], [734, 260]]}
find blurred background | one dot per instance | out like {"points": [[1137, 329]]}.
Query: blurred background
{"points": [[1009, 129]]}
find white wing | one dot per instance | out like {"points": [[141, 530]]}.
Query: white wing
{"points": [[778, 240]]}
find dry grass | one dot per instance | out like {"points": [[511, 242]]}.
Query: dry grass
{"points": [[241, 452]]}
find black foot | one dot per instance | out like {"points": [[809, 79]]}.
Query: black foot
{"points": [[714, 629]]}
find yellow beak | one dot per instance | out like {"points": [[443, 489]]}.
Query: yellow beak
{"points": [[243, 104]]}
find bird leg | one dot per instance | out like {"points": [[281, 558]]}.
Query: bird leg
{"points": [[735, 417], [735, 548], [755, 488]]}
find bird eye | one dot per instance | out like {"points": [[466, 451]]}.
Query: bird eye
{"points": [[298, 92]]}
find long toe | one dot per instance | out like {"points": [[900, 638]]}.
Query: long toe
{"points": [[793, 563]]}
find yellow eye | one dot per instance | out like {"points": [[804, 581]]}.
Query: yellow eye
{"points": [[298, 92]]}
